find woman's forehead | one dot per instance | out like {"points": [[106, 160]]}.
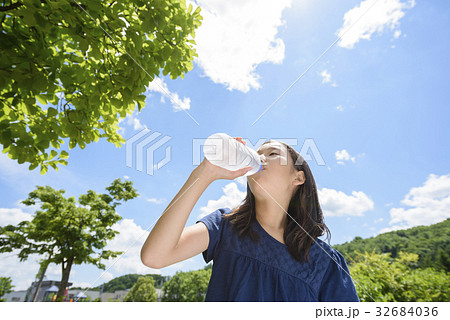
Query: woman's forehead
{"points": [[272, 144]]}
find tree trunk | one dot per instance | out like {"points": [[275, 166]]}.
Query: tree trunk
{"points": [[42, 271], [64, 279]]}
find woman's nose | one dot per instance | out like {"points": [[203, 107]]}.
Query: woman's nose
{"points": [[262, 158]]}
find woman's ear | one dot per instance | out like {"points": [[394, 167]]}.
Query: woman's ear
{"points": [[299, 178]]}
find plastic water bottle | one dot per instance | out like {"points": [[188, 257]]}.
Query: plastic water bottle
{"points": [[222, 150]]}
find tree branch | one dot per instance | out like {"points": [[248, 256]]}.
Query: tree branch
{"points": [[162, 35], [11, 7], [19, 4]]}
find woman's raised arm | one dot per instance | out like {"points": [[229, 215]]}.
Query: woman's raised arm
{"points": [[163, 246]]}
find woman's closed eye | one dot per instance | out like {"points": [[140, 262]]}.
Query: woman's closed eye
{"points": [[272, 153]]}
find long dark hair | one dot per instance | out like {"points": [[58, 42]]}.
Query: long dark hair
{"points": [[304, 208]]}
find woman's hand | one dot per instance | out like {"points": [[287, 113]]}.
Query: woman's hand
{"points": [[215, 172]]}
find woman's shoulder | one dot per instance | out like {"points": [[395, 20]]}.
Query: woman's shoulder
{"points": [[215, 217], [323, 249]]}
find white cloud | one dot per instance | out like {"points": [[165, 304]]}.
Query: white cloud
{"points": [[157, 201], [24, 273], [378, 220], [333, 203], [242, 180], [393, 228], [383, 14], [326, 78], [133, 121], [231, 198], [108, 276], [340, 108], [129, 241], [10, 168], [31, 209], [13, 216], [427, 204], [343, 155], [158, 85], [336, 203], [235, 37]]}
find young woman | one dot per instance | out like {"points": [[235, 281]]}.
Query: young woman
{"points": [[267, 248]]}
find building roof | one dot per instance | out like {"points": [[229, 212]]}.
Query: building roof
{"points": [[52, 289]]}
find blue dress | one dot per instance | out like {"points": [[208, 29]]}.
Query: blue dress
{"points": [[266, 271]]}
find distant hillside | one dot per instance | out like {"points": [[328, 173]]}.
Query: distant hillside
{"points": [[431, 243], [126, 282]]}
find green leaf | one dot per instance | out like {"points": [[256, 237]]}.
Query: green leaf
{"points": [[116, 103], [84, 45], [51, 112], [41, 99], [42, 142], [33, 166], [53, 164], [141, 105], [64, 162], [44, 169], [53, 154], [54, 144], [63, 155], [41, 22], [28, 17]]}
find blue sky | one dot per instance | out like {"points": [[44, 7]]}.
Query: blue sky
{"points": [[369, 114]]}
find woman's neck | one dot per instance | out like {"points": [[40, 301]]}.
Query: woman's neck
{"points": [[270, 215]]}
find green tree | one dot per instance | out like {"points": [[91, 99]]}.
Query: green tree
{"points": [[91, 61], [187, 286], [385, 279], [68, 233], [5, 287], [143, 290]]}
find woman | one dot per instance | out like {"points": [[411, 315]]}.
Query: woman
{"points": [[266, 249]]}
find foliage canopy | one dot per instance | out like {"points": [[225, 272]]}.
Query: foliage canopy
{"points": [[90, 60]]}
